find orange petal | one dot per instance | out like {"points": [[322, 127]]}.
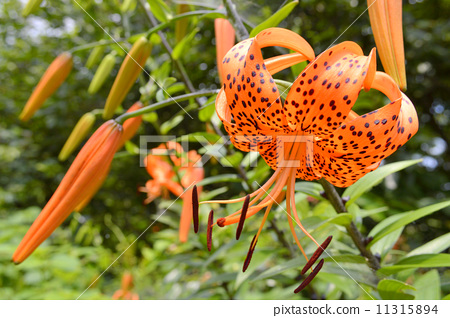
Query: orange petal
{"points": [[322, 96], [53, 77], [386, 22], [359, 145]]}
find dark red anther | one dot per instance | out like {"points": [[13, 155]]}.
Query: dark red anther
{"points": [[249, 254], [310, 277], [317, 254], [195, 208], [209, 230], [221, 222], [242, 218]]}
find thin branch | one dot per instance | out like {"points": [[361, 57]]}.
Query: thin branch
{"points": [[359, 240], [241, 31]]}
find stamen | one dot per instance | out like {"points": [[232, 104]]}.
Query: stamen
{"points": [[249, 254], [242, 219], [209, 230], [221, 222], [261, 191], [317, 254], [310, 277], [195, 208]]}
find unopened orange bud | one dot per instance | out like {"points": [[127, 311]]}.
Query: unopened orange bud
{"points": [[224, 41], [129, 71], [130, 126], [53, 77], [79, 132], [386, 22], [91, 163]]}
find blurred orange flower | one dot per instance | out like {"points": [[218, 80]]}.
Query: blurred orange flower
{"points": [[163, 182], [125, 293]]}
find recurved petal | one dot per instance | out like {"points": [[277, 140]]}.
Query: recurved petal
{"points": [[322, 96]]}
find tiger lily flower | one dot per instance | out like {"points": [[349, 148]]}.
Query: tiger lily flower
{"points": [[81, 180], [163, 174], [313, 133], [225, 39], [53, 77], [386, 22]]}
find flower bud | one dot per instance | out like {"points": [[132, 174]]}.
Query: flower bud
{"points": [[30, 7], [224, 41], [79, 132], [129, 71], [130, 126], [102, 73], [386, 22], [181, 26], [81, 180], [95, 56], [53, 77]]}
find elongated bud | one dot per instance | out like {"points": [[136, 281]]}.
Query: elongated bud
{"points": [[79, 132], [181, 26], [130, 126], [225, 39], [95, 56], [30, 7], [91, 163], [386, 22], [102, 73], [129, 71], [53, 77]]}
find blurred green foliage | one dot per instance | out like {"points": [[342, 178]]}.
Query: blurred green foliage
{"points": [[88, 243]]}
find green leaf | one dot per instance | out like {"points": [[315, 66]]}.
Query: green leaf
{"points": [[346, 258], [403, 219], [310, 188], [172, 123], [220, 178], [275, 19], [437, 245], [428, 286], [375, 177], [160, 10], [205, 113], [283, 87], [418, 261], [391, 289], [297, 262], [184, 44]]}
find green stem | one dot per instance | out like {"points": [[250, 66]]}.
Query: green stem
{"points": [[95, 44], [359, 240], [164, 25], [164, 103], [241, 31]]}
